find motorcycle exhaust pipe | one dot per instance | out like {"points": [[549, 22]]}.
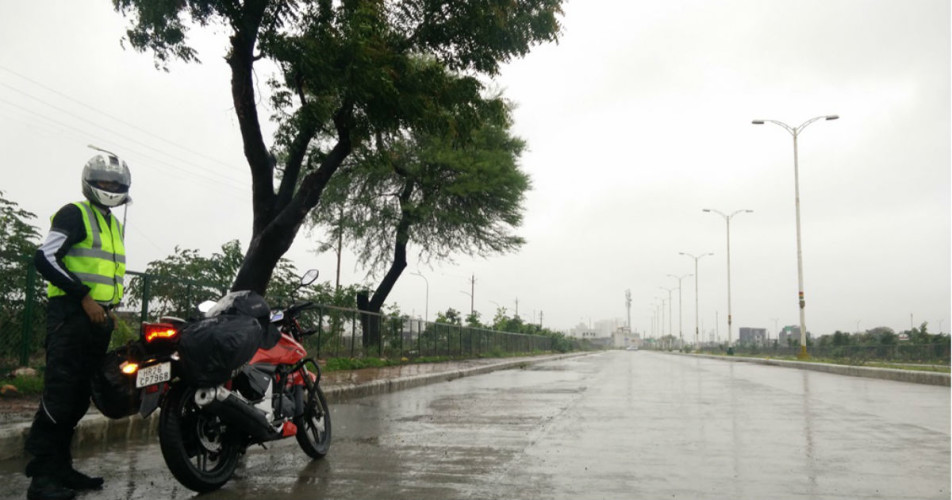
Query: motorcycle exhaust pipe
{"points": [[236, 411]]}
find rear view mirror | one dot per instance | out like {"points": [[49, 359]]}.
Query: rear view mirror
{"points": [[309, 277]]}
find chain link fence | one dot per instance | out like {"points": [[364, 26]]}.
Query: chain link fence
{"points": [[341, 333], [355, 334]]}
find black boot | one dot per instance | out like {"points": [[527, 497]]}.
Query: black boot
{"points": [[48, 488], [73, 479]]}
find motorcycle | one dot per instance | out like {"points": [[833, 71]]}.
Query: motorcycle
{"points": [[206, 424]]}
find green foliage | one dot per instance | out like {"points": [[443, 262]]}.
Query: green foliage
{"points": [[184, 279], [432, 191], [123, 333], [349, 72], [335, 364], [515, 324], [450, 317], [883, 336], [472, 320], [27, 385], [17, 244]]}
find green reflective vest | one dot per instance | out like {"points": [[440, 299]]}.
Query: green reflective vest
{"points": [[100, 260]]}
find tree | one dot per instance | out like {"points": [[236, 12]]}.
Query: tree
{"points": [[179, 282], [472, 320], [348, 71], [17, 244], [450, 317], [427, 189]]}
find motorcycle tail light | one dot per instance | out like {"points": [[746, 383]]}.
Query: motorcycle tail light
{"points": [[159, 331]]}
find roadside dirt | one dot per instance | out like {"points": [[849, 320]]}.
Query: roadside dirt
{"points": [[18, 408]]}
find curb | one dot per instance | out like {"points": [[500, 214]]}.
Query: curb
{"points": [[344, 392], [95, 429], [910, 376]]}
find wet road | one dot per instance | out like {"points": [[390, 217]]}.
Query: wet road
{"points": [[612, 425]]}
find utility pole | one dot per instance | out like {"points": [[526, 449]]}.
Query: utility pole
{"points": [[628, 306], [517, 308], [472, 295]]}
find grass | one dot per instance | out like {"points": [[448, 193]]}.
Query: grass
{"points": [[27, 385]]}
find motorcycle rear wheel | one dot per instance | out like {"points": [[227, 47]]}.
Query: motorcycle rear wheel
{"points": [[314, 426], [195, 444]]}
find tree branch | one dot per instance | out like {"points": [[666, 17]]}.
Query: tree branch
{"points": [[241, 60]]}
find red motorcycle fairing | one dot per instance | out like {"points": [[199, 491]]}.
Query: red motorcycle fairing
{"points": [[286, 352], [296, 378]]}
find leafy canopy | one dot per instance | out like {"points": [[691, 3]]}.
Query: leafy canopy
{"points": [[445, 196], [349, 70]]}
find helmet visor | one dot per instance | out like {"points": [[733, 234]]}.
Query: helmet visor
{"points": [[110, 186]]}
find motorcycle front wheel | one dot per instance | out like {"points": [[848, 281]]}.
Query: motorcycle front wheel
{"points": [[314, 426], [195, 443]]}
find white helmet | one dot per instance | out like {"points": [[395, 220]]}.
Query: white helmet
{"points": [[106, 180]]}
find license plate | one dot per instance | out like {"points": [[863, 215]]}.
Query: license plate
{"points": [[154, 374]]}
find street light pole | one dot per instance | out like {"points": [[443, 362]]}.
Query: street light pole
{"points": [[795, 132], [670, 322], [697, 337], [426, 314], [680, 316], [730, 348]]}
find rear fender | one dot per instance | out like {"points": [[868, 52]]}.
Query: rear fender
{"points": [[151, 398]]}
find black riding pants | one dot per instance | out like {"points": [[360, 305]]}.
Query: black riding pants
{"points": [[74, 350]]}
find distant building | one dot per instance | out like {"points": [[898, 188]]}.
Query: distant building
{"points": [[620, 337], [790, 332], [755, 336], [583, 331]]}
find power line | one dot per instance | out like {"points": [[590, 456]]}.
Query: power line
{"points": [[117, 134], [120, 120], [85, 136]]}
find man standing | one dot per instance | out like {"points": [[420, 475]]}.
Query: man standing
{"points": [[83, 258]]}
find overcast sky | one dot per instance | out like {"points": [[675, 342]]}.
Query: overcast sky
{"points": [[636, 121]]}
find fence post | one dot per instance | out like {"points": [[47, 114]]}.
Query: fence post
{"points": [[380, 336], [353, 333], [146, 292], [320, 330], [27, 326]]}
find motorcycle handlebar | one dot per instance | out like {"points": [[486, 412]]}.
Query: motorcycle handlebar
{"points": [[299, 307]]}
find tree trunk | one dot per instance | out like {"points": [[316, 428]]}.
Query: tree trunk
{"points": [[371, 322], [277, 218]]}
